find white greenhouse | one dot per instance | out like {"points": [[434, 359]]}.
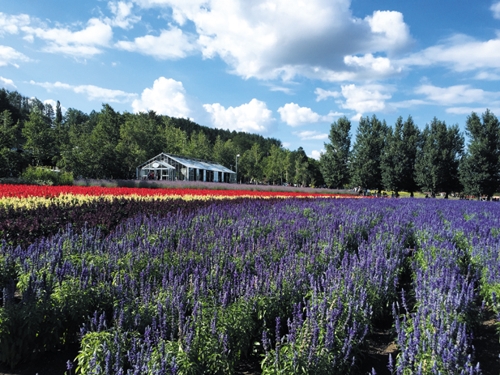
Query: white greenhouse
{"points": [[179, 168]]}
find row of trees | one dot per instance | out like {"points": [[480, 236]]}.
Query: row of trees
{"points": [[109, 144], [403, 158]]}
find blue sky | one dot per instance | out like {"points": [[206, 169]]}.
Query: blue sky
{"points": [[280, 68]]}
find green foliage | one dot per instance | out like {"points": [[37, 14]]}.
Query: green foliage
{"points": [[40, 138], [335, 160], [398, 157], [46, 176], [367, 153], [479, 167], [436, 168]]}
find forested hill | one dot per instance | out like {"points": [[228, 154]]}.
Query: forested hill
{"points": [[109, 144]]}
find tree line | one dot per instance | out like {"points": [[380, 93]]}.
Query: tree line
{"points": [[404, 158], [109, 144]]}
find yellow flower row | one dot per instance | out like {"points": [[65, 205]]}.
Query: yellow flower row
{"points": [[78, 200]]}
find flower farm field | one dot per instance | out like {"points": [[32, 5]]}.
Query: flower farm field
{"points": [[198, 282]]}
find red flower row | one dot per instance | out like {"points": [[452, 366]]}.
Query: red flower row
{"points": [[24, 191]]}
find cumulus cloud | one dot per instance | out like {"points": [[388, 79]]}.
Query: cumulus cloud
{"points": [[283, 39], [7, 82], [458, 94], [315, 154], [170, 44], [294, 115], [123, 16], [12, 24], [86, 42], [249, 117], [9, 56], [166, 97], [367, 98], [495, 8], [311, 135], [389, 29], [368, 63], [90, 91]]}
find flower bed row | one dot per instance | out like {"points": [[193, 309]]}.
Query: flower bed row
{"points": [[25, 191]]}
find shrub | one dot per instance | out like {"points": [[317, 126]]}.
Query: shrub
{"points": [[46, 176]]}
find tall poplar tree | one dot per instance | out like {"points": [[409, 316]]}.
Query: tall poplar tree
{"points": [[334, 163], [436, 168], [480, 167], [367, 153], [398, 158]]}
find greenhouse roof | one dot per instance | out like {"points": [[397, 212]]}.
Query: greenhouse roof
{"points": [[161, 163]]}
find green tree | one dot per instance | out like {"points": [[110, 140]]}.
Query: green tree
{"points": [[225, 153], [199, 146], [436, 168], [175, 139], [59, 116], [40, 138], [72, 136], [398, 157], [367, 151], [479, 168], [274, 165], [250, 164], [411, 144], [10, 159], [314, 172], [334, 163], [140, 140], [301, 177], [104, 159]]}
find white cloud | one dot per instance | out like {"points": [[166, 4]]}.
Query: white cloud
{"points": [[495, 8], [390, 30], [249, 117], [322, 94], [459, 94], [461, 53], [82, 43], [170, 44], [90, 91], [11, 24], [7, 82], [9, 56], [285, 90], [315, 154], [166, 97], [367, 98], [123, 14], [310, 134], [283, 39], [380, 65], [488, 76], [294, 115]]}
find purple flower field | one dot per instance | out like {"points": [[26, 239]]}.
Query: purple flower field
{"points": [[296, 285]]}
